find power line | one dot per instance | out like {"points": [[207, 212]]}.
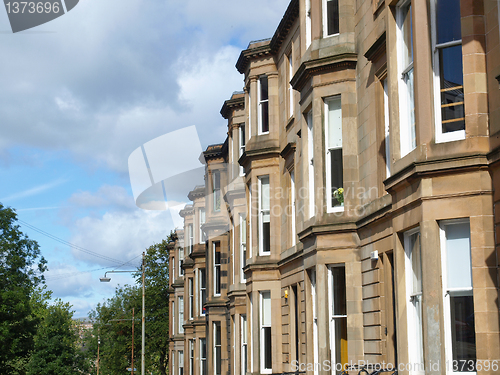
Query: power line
{"points": [[73, 246]]}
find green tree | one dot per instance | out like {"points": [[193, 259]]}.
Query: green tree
{"points": [[21, 272], [114, 325], [55, 350], [157, 304]]}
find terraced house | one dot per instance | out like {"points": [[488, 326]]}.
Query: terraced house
{"points": [[350, 214]]}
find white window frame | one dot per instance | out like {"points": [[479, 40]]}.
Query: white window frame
{"points": [[244, 344], [261, 103], [310, 161], [180, 353], [181, 261], [217, 275], [180, 302], [331, 296], [203, 288], [263, 212], [292, 208], [242, 144], [415, 335], [174, 327], [216, 191], [263, 326], [251, 331], [315, 320], [328, 163], [308, 23], [203, 359], [440, 136], [190, 238], [289, 57], [243, 246], [173, 362], [448, 291], [250, 219], [217, 347], [191, 356], [249, 129], [407, 143], [191, 297], [387, 134], [325, 19], [201, 219]]}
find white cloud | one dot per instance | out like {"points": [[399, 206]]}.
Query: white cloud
{"points": [[122, 236], [106, 196]]}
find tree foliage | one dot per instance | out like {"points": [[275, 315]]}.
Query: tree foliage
{"points": [[55, 350], [113, 328], [21, 272]]}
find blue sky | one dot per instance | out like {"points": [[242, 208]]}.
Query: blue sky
{"points": [[82, 92]]}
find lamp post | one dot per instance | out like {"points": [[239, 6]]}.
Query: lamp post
{"points": [[107, 280]]}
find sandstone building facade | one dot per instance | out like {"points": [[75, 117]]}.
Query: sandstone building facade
{"points": [[351, 214]]}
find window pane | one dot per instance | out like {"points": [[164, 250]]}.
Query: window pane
{"points": [[337, 178], [448, 21], [407, 34], [339, 288], [263, 89], [408, 79], [264, 191], [463, 332], [334, 124], [340, 327], [266, 234], [458, 260], [266, 308], [452, 92], [267, 347], [265, 117], [332, 9], [416, 263]]}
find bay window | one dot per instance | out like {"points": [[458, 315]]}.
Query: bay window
{"points": [[448, 70], [333, 156], [264, 216]]}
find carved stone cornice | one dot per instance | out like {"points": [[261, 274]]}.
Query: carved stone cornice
{"points": [[213, 152], [250, 53], [377, 49], [291, 14], [310, 68], [187, 210], [197, 192], [237, 101]]}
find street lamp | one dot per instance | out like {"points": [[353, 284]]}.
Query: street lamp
{"points": [[107, 280]]}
